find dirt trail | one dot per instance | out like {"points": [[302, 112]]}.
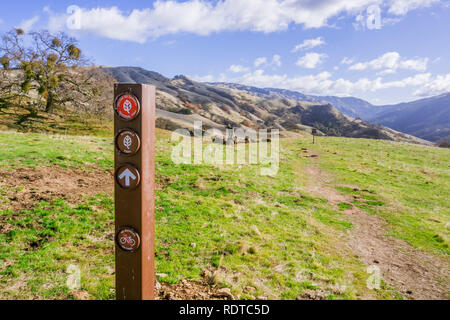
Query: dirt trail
{"points": [[413, 273]]}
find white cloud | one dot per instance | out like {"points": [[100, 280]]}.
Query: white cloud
{"points": [[1, 21], [438, 58], [276, 60], [347, 60], [311, 60], [203, 17], [439, 85], [391, 61], [27, 25], [260, 61], [264, 62], [238, 68], [401, 7], [309, 44], [323, 84]]}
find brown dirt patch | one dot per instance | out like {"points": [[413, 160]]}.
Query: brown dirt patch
{"points": [[192, 290], [24, 187], [415, 274]]}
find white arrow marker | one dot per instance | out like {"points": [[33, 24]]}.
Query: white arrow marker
{"points": [[127, 174]]}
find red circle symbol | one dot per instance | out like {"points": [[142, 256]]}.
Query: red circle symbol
{"points": [[127, 106]]}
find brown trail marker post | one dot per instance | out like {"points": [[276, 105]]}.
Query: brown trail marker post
{"points": [[134, 165], [314, 132]]}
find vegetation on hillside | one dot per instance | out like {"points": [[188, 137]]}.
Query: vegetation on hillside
{"points": [[227, 225], [43, 73], [294, 235]]}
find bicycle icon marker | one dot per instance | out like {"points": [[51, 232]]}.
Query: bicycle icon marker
{"points": [[128, 239]]}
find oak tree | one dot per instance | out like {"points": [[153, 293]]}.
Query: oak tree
{"points": [[47, 70]]}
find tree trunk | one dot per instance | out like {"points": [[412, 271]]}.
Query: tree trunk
{"points": [[49, 106]]}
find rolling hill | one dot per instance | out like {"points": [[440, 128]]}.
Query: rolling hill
{"points": [[427, 118], [350, 106], [181, 101]]}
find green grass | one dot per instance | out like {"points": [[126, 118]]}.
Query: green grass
{"points": [[265, 232], [407, 185], [61, 121], [44, 241], [26, 150]]}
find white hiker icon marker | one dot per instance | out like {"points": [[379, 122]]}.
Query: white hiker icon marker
{"points": [[127, 174]]}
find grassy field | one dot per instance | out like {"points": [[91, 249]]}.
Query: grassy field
{"points": [[408, 185], [61, 121], [259, 236]]}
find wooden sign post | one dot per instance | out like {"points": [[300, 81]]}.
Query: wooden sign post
{"points": [[134, 127]]}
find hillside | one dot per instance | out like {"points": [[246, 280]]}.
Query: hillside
{"points": [[182, 100], [427, 118], [350, 106], [310, 232]]}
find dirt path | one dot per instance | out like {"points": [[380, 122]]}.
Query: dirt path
{"points": [[413, 273], [25, 187]]}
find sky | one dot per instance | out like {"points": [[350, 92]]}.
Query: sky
{"points": [[383, 51]]}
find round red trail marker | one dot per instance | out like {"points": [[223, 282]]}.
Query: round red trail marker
{"points": [[127, 106]]}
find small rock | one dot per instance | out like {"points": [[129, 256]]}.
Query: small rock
{"points": [[170, 296], [161, 275], [193, 244], [261, 298], [158, 285], [80, 294], [225, 293], [312, 295]]}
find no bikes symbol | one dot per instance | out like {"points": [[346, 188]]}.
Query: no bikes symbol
{"points": [[124, 240], [128, 239]]}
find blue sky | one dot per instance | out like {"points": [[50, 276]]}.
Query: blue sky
{"points": [[383, 51]]}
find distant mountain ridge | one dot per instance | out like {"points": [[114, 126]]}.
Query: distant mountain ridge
{"points": [[181, 101], [353, 107], [427, 118]]}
